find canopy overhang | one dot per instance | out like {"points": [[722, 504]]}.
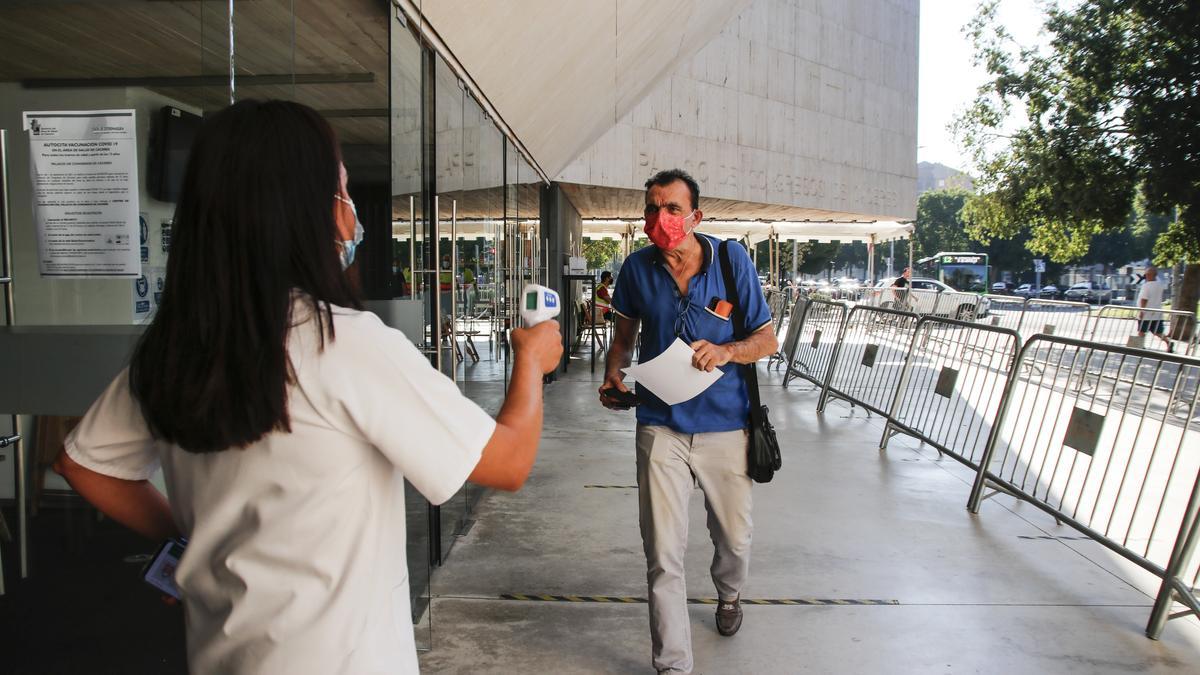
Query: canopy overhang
{"points": [[781, 230], [878, 232]]}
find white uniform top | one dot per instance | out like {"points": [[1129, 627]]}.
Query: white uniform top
{"points": [[296, 554], [1152, 293]]}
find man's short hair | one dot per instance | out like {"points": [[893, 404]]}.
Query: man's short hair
{"points": [[668, 176]]}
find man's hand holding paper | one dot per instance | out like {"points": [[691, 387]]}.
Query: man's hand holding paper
{"points": [[707, 356], [674, 376]]}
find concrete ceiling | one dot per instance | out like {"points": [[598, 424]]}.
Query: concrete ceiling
{"points": [[562, 73], [342, 48]]}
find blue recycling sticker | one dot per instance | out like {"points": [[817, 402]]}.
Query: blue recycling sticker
{"points": [[144, 230], [141, 286], [142, 306]]}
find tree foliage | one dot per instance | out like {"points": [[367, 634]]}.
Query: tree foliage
{"points": [[939, 226], [1065, 138], [812, 257], [600, 252], [815, 258]]}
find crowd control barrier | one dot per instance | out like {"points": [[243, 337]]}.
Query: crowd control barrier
{"points": [[1119, 463], [868, 360], [1004, 311], [1055, 317], [957, 305], [776, 305], [950, 391], [787, 343], [1164, 329], [916, 301], [811, 350]]}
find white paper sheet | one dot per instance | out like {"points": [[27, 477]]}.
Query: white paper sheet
{"points": [[84, 171], [671, 375]]}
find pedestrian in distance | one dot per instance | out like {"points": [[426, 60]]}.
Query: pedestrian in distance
{"points": [[1149, 299]]}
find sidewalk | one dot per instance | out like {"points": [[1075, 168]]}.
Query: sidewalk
{"points": [[842, 524]]}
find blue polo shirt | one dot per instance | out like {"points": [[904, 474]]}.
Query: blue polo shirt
{"points": [[646, 291]]}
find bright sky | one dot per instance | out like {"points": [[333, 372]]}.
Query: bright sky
{"points": [[947, 78]]}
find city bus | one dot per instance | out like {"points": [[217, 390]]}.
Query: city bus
{"points": [[962, 271]]}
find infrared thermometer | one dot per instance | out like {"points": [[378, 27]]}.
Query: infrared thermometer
{"points": [[538, 304]]}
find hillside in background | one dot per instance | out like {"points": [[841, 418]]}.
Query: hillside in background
{"points": [[934, 176]]}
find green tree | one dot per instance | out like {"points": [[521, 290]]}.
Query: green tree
{"points": [[600, 252], [1064, 138], [816, 257], [811, 258], [939, 226]]}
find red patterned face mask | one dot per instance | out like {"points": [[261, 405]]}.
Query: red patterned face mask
{"points": [[667, 231]]}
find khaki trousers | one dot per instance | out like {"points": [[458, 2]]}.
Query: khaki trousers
{"points": [[669, 465]]}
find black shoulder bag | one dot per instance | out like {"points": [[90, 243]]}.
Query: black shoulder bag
{"points": [[762, 452]]}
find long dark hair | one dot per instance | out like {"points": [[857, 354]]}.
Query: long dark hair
{"points": [[254, 221]]}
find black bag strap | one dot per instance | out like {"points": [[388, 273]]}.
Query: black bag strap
{"points": [[740, 330]]}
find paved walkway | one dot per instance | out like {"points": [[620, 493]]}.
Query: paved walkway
{"points": [[1005, 591]]}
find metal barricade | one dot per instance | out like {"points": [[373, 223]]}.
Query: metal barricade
{"points": [[869, 358], [916, 301], [1055, 317], [953, 381], [874, 297], [1004, 311], [956, 305], [787, 345], [1154, 329], [775, 302], [812, 349], [1118, 462], [849, 294]]}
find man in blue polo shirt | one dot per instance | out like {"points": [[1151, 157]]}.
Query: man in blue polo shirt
{"points": [[676, 289]]}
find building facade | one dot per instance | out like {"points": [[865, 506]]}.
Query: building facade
{"points": [[478, 135]]}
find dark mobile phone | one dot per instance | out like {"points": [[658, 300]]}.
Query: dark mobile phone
{"points": [[160, 571], [625, 398]]}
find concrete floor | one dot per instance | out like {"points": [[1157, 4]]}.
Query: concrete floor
{"points": [[1005, 591]]}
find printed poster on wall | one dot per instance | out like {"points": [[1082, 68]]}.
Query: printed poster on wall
{"points": [[147, 292], [83, 167], [142, 298]]}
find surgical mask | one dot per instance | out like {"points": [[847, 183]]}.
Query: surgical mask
{"points": [[667, 231], [349, 228]]}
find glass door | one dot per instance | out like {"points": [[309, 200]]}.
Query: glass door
{"points": [[444, 314], [406, 84]]}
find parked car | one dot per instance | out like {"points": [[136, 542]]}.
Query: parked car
{"points": [[1049, 292], [1003, 288], [924, 302], [1089, 291], [1026, 291], [847, 288]]}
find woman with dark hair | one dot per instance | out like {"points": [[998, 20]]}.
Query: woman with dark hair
{"points": [[285, 419]]}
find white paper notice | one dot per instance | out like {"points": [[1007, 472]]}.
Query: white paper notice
{"points": [[83, 166], [671, 375]]}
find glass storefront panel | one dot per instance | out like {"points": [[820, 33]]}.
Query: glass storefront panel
{"points": [[409, 131], [407, 233], [448, 175]]}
